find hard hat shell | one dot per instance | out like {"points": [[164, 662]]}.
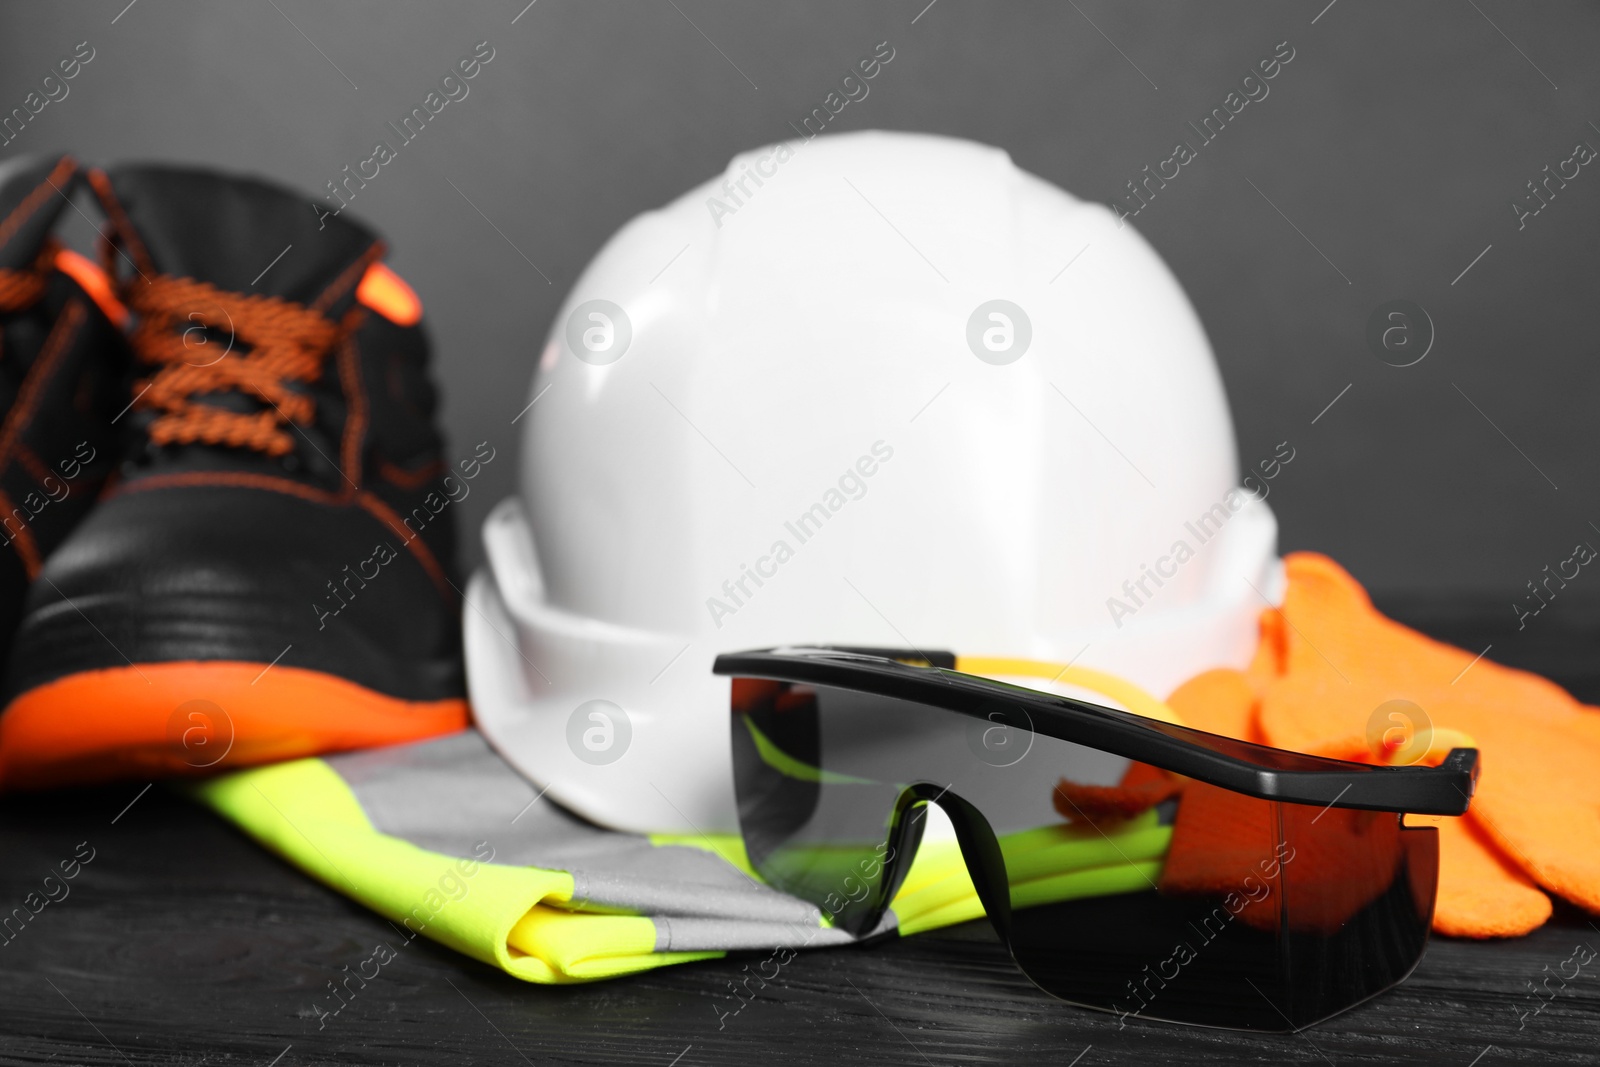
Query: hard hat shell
{"points": [[875, 389]]}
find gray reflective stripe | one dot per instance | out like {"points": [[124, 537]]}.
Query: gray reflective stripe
{"points": [[451, 793], [678, 934], [687, 892], [445, 795], [675, 934]]}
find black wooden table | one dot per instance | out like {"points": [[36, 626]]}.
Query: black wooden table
{"points": [[184, 943]]}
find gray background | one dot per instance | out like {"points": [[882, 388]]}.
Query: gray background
{"points": [[1395, 142]]}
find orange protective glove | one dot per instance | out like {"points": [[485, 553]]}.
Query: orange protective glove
{"points": [[1327, 661]]}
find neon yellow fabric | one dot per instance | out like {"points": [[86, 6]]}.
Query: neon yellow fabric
{"points": [[523, 919], [786, 764], [1051, 863], [505, 916]]}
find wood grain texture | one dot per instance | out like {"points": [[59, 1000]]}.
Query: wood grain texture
{"points": [[184, 943]]}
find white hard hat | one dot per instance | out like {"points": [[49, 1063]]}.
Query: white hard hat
{"points": [[874, 389]]}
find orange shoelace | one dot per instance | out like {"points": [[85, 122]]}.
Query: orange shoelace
{"points": [[275, 344], [21, 289]]}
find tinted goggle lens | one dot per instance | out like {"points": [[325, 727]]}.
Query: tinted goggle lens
{"points": [[1115, 885]]}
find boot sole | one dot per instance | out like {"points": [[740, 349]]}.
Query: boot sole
{"points": [[193, 718]]}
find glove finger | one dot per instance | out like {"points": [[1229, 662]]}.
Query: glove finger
{"points": [[1481, 892], [1219, 702], [1539, 800], [1538, 797]]}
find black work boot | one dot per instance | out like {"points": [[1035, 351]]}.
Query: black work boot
{"points": [[62, 367], [272, 576]]}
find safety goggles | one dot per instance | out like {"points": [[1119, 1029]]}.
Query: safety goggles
{"points": [[1130, 864]]}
